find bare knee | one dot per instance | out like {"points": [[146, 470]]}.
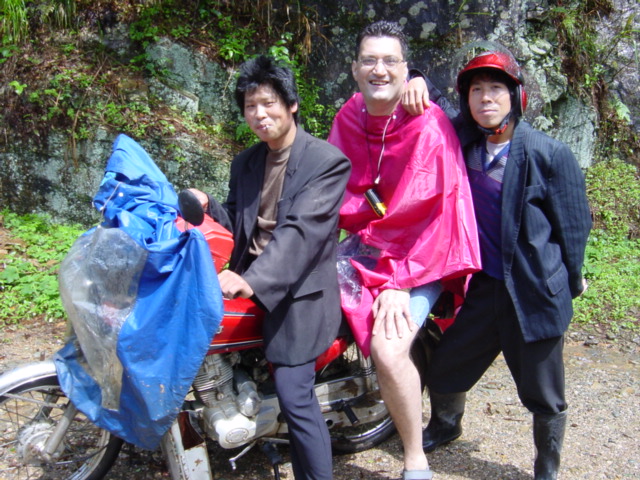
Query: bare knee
{"points": [[388, 354]]}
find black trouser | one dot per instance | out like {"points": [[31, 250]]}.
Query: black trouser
{"points": [[310, 445], [486, 325]]}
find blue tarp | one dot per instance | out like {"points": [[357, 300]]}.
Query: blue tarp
{"points": [[144, 302]]}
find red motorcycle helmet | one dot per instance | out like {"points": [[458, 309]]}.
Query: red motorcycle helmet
{"points": [[494, 60]]}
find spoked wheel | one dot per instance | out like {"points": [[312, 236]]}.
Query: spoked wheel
{"points": [[29, 415], [367, 434]]}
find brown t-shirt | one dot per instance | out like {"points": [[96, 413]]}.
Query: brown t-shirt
{"points": [[271, 191]]}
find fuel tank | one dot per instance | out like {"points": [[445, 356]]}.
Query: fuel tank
{"points": [[241, 327]]}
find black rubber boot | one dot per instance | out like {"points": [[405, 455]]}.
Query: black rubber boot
{"points": [[548, 435], [445, 424]]}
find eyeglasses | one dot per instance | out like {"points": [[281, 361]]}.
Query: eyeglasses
{"points": [[389, 63]]}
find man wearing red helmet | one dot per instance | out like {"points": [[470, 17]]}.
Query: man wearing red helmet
{"points": [[533, 221]]}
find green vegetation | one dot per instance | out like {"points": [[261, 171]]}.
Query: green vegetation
{"points": [[612, 263], [591, 70], [29, 267], [13, 23], [234, 32], [612, 300], [29, 260], [613, 187], [16, 14], [59, 81]]}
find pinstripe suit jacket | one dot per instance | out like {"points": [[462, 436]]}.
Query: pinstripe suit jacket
{"points": [[545, 225]]}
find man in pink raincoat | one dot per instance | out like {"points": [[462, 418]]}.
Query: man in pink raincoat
{"points": [[408, 208]]}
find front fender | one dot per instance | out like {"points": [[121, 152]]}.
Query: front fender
{"points": [[26, 373]]}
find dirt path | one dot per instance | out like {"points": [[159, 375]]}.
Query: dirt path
{"points": [[602, 439]]}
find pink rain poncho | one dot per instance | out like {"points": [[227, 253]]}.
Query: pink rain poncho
{"points": [[428, 232]]}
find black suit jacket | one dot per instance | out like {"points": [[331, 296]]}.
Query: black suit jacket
{"points": [[545, 225], [295, 277]]}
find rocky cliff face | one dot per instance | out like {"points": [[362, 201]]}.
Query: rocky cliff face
{"points": [[445, 33], [41, 176]]}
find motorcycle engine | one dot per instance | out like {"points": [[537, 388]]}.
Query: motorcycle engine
{"points": [[231, 400]]}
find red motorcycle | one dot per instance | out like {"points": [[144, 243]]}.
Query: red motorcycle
{"points": [[232, 402]]}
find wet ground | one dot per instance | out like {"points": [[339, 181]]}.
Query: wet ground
{"points": [[602, 439]]}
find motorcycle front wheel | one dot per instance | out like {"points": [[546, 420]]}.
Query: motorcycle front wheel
{"points": [[29, 413]]}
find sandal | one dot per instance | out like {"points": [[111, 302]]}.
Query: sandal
{"points": [[417, 474]]}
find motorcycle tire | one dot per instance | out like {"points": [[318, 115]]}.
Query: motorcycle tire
{"points": [[357, 439], [28, 414]]}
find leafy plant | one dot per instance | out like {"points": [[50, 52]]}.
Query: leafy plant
{"points": [[612, 259], [233, 44], [123, 117], [244, 135], [315, 117], [612, 269], [28, 271], [145, 31], [7, 49], [613, 187], [588, 60], [56, 13], [235, 31], [17, 86]]}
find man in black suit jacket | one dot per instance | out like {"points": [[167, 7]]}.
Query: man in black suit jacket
{"points": [[533, 220], [284, 197]]}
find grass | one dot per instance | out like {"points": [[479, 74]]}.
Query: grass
{"points": [[612, 269], [31, 249]]}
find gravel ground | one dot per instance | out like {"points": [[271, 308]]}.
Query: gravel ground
{"points": [[602, 439]]}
